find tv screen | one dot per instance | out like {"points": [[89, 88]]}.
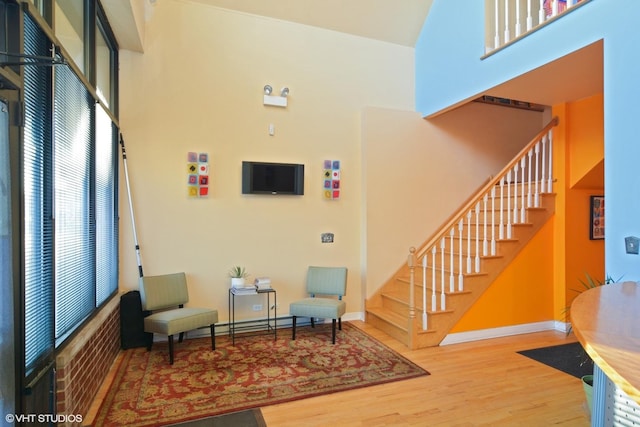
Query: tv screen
{"points": [[272, 178]]}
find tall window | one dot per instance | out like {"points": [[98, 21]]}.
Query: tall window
{"points": [[38, 214], [70, 183], [69, 27], [72, 200]]}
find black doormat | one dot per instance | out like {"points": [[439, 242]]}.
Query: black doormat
{"points": [[569, 358], [248, 418]]}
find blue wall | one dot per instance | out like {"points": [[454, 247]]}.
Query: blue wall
{"points": [[449, 70]]}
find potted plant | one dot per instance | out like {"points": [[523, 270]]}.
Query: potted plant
{"points": [[587, 380], [238, 274]]}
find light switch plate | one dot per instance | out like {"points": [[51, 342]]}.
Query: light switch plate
{"points": [[631, 244], [326, 237]]}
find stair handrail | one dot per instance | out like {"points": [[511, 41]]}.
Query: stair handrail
{"points": [[476, 197]]}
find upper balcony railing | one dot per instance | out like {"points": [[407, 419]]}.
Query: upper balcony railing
{"points": [[507, 20]]}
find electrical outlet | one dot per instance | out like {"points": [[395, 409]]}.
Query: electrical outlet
{"points": [[257, 307]]}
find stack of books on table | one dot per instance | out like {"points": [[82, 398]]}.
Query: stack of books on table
{"points": [[262, 283], [244, 290]]}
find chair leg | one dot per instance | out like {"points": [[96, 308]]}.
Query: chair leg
{"points": [[333, 331], [150, 343], [181, 337], [340, 323], [293, 328], [313, 324], [171, 349], [213, 336]]}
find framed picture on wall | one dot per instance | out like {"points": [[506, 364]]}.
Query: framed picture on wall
{"points": [[596, 230]]}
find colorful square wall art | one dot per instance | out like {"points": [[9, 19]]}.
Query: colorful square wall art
{"points": [[331, 179], [198, 174]]}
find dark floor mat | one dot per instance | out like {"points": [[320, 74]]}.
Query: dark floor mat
{"points": [[569, 358]]}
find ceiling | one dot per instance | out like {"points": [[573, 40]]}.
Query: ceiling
{"points": [[393, 21], [569, 78]]}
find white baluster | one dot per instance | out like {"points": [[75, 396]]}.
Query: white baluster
{"points": [[485, 243], [493, 220], [536, 199], [496, 40], [541, 13], [509, 204], [554, 11], [469, 242], [424, 292], [523, 164], [452, 280], [529, 16], [477, 269], [507, 35], [550, 180], [543, 157], [530, 155], [443, 305], [515, 193], [460, 256], [434, 306], [518, 26], [501, 227]]}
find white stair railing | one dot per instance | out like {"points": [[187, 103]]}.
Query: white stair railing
{"points": [[505, 17], [531, 171]]}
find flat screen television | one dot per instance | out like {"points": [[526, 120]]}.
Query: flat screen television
{"points": [[272, 178]]}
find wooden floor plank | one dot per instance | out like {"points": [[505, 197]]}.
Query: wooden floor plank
{"points": [[471, 384], [482, 383]]}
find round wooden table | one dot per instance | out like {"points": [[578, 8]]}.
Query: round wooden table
{"points": [[606, 320]]}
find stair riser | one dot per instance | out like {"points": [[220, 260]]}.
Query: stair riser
{"points": [[396, 302], [397, 333]]}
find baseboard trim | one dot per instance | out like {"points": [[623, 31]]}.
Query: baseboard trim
{"points": [[504, 331]]}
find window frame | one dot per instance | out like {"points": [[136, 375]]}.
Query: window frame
{"points": [[95, 19]]}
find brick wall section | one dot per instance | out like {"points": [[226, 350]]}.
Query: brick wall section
{"points": [[84, 362]]}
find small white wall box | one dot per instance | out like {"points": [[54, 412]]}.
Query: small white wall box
{"points": [[631, 244]]}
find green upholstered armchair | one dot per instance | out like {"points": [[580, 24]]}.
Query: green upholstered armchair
{"points": [[165, 296], [329, 282]]}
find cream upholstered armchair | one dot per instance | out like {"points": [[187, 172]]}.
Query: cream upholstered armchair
{"points": [[165, 296], [329, 282]]}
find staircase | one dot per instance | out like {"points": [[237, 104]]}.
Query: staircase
{"points": [[443, 278]]}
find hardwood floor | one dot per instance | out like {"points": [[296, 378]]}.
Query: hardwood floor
{"points": [[482, 383], [471, 384]]}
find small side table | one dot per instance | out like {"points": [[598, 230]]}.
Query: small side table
{"points": [[253, 324]]}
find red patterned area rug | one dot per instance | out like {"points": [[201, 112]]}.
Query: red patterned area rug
{"points": [[257, 371]]}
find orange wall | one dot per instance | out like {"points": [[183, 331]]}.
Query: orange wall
{"points": [[521, 294], [585, 129], [544, 277], [585, 136]]}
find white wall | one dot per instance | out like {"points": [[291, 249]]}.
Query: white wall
{"points": [[198, 87], [417, 172]]}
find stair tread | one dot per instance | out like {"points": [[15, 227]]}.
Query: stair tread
{"points": [[389, 308]]}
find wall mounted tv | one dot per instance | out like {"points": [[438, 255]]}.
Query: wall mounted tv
{"points": [[272, 178]]}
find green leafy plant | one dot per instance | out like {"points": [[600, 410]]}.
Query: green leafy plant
{"points": [[238, 272], [587, 283]]}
